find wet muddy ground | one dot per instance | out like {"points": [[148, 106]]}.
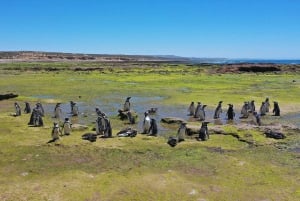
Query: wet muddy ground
{"points": [[141, 104]]}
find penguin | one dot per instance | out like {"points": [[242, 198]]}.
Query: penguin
{"points": [[202, 113], [98, 112], [252, 106], [55, 132], [27, 108], [107, 129], [127, 105], [197, 111], [67, 127], [230, 112], [244, 111], [263, 109], [153, 127], [146, 123], [57, 111], [257, 118], [18, 109], [99, 125], [40, 107], [74, 111], [203, 133], [276, 109], [218, 110], [131, 118], [191, 109], [181, 132], [267, 103]]}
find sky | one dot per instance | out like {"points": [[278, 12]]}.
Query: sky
{"points": [[265, 29]]}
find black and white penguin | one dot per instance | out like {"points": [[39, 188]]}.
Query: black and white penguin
{"points": [[267, 103], [191, 109], [230, 112], [153, 128], [40, 107], [218, 110], [245, 111], [57, 111], [203, 133], [197, 111], [127, 105], [67, 127], [55, 132], [252, 106], [202, 113], [17, 109], [74, 109], [146, 123], [100, 125], [108, 129], [257, 118], [181, 132], [27, 108], [263, 109], [276, 109], [130, 117]]}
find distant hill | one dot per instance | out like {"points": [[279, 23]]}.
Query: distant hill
{"points": [[59, 56]]}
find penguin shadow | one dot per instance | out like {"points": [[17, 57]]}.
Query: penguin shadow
{"points": [[92, 137], [51, 141]]}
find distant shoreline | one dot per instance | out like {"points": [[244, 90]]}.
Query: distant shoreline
{"points": [[37, 56]]}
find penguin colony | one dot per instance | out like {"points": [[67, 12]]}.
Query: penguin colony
{"points": [[149, 127]]}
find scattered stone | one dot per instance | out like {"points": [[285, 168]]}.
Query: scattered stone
{"points": [[79, 127], [172, 120], [274, 134], [24, 174]]}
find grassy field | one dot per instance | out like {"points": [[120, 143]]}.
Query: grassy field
{"points": [[146, 168]]}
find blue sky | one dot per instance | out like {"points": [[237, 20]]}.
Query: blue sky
{"points": [[197, 28]]}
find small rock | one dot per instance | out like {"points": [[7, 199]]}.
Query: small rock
{"points": [[24, 174]]}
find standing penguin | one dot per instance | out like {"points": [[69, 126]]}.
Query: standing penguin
{"points": [[153, 128], [202, 113], [108, 129], [27, 108], [203, 133], [100, 125], [263, 109], [267, 103], [40, 107], [17, 109], [181, 132], [245, 110], [197, 111], [146, 123], [57, 111], [130, 117], [218, 110], [230, 112], [74, 109], [257, 118], [55, 132], [276, 109], [252, 106], [67, 127], [191, 109], [127, 105]]}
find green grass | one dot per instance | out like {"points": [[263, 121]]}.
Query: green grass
{"points": [[145, 168]]}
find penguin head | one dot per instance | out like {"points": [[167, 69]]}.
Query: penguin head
{"points": [[128, 98]]}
